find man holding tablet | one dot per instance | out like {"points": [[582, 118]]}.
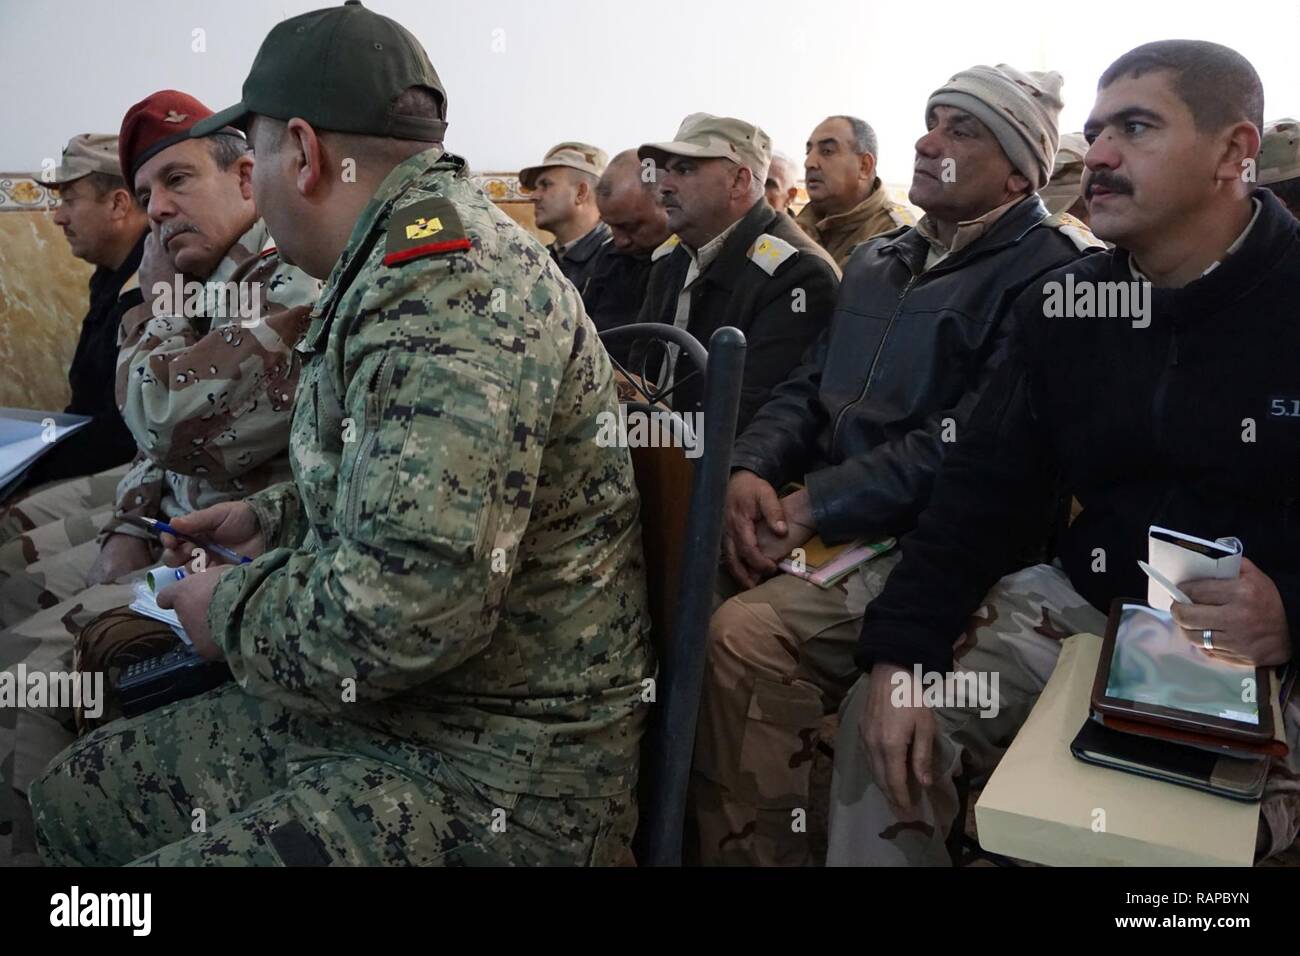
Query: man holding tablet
{"points": [[1175, 409]]}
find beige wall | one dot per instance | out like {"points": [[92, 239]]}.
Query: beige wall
{"points": [[43, 293], [43, 298]]}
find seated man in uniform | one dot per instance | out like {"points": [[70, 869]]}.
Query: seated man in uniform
{"points": [[206, 380], [1176, 412], [106, 227], [863, 426], [563, 188], [440, 652], [739, 262], [639, 237]]}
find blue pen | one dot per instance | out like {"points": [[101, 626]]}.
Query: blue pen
{"points": [[153, 524]]}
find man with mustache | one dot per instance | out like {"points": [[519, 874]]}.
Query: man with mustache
{"points": [[738, 263], [105, 227], [846, 202], [863, 426], [1187, 417], [563, 188], [206, 391]]}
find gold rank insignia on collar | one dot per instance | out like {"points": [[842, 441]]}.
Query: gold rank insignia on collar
{"points": [[425, 228]]}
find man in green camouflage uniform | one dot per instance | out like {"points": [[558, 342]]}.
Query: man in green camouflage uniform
{"points": [[441, 653], [207, 393]]}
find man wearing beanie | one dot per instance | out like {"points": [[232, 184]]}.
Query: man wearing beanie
{"points": [[862, 427], [738, 263], [206, 378], [440, 647], [1180, 411]]}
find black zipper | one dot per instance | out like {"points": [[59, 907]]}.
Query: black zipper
{"points": [[835, 429], [367, 442]]}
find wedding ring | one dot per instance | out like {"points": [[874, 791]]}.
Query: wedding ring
{"points": [[1206, 639]]}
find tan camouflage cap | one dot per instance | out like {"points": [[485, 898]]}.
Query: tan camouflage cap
{"points": [[581, 156], [85, 153], [705, 136], [1066, 184], [1279, 152]]}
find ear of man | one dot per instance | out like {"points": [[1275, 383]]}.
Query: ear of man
{"points": [[244, 170], [121, 202], [1237, 144], [867, 167], [307, 153]]}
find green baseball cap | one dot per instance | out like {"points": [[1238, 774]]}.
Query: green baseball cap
{"points": [[337, 68]]}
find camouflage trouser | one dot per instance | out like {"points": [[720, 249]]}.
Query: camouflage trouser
{"points": [[227, 779], [48, 564], [1017, 635], [59, 500], [780, 659], [31, 737]]}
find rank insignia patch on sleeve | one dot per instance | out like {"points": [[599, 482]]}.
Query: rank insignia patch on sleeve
{"points": [[424, 228]]}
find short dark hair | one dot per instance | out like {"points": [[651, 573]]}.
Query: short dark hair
{"points": [[1217, 83], [226, 148], [1288, 190], [864, 137], [105, 183]]}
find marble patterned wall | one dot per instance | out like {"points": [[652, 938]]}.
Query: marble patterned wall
{"points": [[43, 293], [43, 297]]}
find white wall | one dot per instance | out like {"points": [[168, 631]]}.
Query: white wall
{"points": [[617, 72]]}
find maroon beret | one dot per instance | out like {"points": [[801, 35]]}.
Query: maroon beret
{"points": [[160, 120]]}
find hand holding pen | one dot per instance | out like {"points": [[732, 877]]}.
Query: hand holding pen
{"points": [[227, 533]]}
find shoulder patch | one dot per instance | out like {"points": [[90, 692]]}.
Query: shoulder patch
{"points": [[424, 228], [900, 214], [1076, 230], [665, 247], [769, 251]]}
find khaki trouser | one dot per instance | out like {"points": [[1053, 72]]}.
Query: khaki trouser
{"points": [[780, 659], [1016, 634], [59, 500]]}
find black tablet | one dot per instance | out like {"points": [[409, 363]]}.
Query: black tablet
{"points": [[1150, 671]]}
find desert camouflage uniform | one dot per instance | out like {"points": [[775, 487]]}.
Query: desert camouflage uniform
{"points": [[209, 403], [448, 630], [780, 659], [1017, 634], [52, 503]]}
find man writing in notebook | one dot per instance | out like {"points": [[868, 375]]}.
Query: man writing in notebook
{"points": [[862, 425], [1187, 417]]}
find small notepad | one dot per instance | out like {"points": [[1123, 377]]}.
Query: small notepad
{"points": [[825, 565], [146, 604]]}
